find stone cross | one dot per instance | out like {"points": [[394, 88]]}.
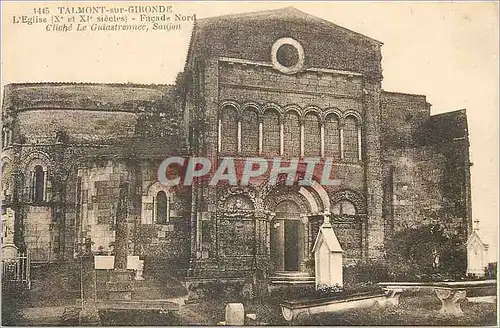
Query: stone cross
{"points": [[121, 238], [326, 217], [475, 225]]}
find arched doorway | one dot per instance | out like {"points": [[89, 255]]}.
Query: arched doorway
{"points": [[291, 210], [287, 237]]}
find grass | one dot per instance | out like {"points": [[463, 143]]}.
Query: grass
{"points": [[414, 309], [137, 318]]}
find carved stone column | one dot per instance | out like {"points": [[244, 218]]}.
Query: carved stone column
{"points": [[302, 138], [304, 220], [260, 136], [239, 135], [119, 285], [341, 141], [282, 137], [322, 136]]}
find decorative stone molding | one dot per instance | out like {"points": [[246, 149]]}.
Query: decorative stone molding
{"points": [[236, 214], [36, 158], [345, 219], [225, 193], [282, 193], [282, 67], [355, 198]]}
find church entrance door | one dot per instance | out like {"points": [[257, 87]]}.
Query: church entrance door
{"points": [[292, 245], [287, 238]]}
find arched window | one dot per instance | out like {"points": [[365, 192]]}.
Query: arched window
{"points": [[271, 133], [250, 132], [312, 135], [162, 208], [229, 130], [344, 208], [350, 139], [291, 131], [38, 184], [332, 137]]}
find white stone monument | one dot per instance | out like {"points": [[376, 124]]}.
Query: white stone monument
{"points": [[477, 253], [328, 257]]}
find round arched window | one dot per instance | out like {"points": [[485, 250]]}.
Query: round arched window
{"points": [[287, 55]]}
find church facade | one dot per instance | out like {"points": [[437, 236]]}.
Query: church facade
{"points": [[276, 84]]}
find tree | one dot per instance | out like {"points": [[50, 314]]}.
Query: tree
{"points": [[426, 252]]}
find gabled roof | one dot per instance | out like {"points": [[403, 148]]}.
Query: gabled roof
{"points": [[328, 235], [287, 12], [474, 237], [250, 36]]}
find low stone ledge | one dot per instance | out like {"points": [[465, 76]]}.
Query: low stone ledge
{"points": [[450, 293], [292, 310]]}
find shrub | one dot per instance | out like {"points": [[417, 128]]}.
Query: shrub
{"points": [[427, 253], [364, 272]]}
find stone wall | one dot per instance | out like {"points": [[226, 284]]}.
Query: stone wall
{"points": [[41, 235], [421, 186], [165, 243], [164, 247], [403, 116], [310, 88], [426, 171], [100, 190], [81, 126]]}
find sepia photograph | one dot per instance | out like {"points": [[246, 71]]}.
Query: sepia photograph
{"points": [[231, 163]]}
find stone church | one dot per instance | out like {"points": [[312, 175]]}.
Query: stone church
{"points": [[278, 83]]}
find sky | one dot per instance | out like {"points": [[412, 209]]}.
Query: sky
{"points": [[447, 51]]}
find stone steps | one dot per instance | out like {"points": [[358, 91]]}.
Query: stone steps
{"points": [[291, 278], [293, 282], [291, 274]]}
